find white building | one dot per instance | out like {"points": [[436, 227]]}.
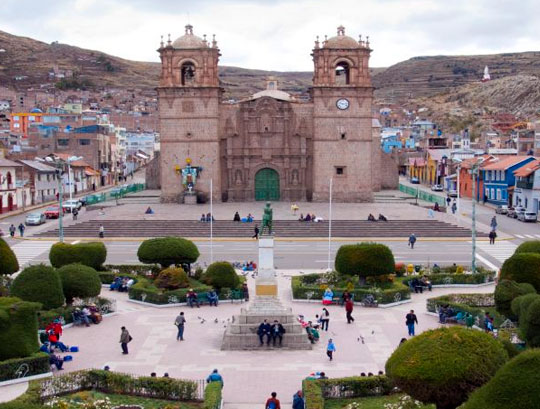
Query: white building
{"points": [[527, 188]]}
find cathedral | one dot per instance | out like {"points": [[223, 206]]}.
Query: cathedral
{"points": [[270, 145]]}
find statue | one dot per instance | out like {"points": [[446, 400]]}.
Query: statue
{"points": [[189, 176], [267, 219]]}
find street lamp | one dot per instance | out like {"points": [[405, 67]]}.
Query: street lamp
{"points": [[330, 225], [59, 164], [211, 222], [474, 169], [458, 189]]}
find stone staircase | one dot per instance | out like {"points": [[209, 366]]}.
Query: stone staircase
{"points": [[242, 333], [282, 228], [380, 197]]}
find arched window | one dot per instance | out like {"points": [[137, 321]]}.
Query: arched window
{"points": [[188, 73], [9, 181], [342, 73]]}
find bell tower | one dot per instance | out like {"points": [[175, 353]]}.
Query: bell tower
{"points": [[189, 95], [342, 118]]}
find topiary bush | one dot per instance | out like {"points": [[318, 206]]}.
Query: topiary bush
{"points": [[516, 385], [79, 281], [39, 283], [221, 274], [172, 278], [91, 254], [444, 366], [506, 291], [521, 303], [168, 251], [523, 268], [18, 328], [8, 260], [531, 246], [365, 259], [529, 322]]}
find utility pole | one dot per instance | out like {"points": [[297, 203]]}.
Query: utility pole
{"points": [[474, 169], [60, 209], [330, 225]]}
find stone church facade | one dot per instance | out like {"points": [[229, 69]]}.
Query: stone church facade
{"points": [[271, 146]]}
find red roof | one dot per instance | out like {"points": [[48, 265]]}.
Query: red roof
{"points": [[527, 169], [417, 162], [505, 163]]}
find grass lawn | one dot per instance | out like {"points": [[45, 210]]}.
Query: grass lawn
{"points": [[146, 403], [366, 403]]}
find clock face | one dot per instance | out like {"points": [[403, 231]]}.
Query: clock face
{"points": [[342, 103]]}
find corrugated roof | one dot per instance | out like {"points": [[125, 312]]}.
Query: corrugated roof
{"points": [[4, 163], [505, 163], [39, 166], [528, 169]]}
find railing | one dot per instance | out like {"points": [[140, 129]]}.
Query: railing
{"points": [[114, 194], [422, 195], [523, 184]]}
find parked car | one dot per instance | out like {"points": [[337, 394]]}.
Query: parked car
{"points": [[501, 209], [35, 219], [452, 193], [514, 211], [527, 217], [53, 212], [437, 188], [69, 205], [415, 181]]}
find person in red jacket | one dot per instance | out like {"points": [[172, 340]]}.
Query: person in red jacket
{"points": [[55, 328], [272, 402], [349, 309]]}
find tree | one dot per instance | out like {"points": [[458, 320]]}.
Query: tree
{"points": [[79, 281], [39, 283], [516, 385], [444, 366], [172, 278], [167, 251], [523, 268], [506, 291], [221, 274], [365, 260], [8, 260]]}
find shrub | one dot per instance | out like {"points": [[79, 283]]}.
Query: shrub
{"points": [[79, 281], [529, 323], [8, 260], [516, 385], [523, 268], [18, 328], [444, 366], [39, 283], [167, 251], [506, 291], [172, 278], [145, 290], [91, 254], [521, 304], [221, 274], [365, 259], [511, 349], [212, 396], [34, 364], [531, 246]]}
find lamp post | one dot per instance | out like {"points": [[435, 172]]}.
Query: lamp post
{"points": [[330, 224], [458, 189], [60, 209], [474, 169], [211, 221]]}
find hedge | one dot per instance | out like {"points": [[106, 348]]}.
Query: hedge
{"points": [[365, 259], [79, 281], [212, 396], [39, 283], [172, 278], [523, 268], [137, 269], [91, 254], [531, 246], [35, 364], [448, 279], [18, 328], [107, 277], [521, 304], [317, 390], [529, 323], [474, 304], [397, 292], [64, 313], [8, 260], [145, 290], [167, 251], [445, 365], [221, 274], [505, 292], [516, 385]]}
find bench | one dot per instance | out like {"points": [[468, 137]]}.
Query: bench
{"points": [[336, 299]]}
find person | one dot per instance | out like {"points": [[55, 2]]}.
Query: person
{"points": [[325, 319], [203, 218], [436, 207], [330, 349], [93, 313], [417, 286], [249, 218], [493, 223], [307, 218], [322, 375], [149, 210], [180, 321], [56, 361], [448, 200], [106, 368], [488, 322], [272, 402], [21, 229], [454, 207], [277, 330], [382, 218], [424, 281], [236, 217], [412, 240], [345, 296], [245, 291], [75, 213], [380, 373], [256, 233], [125, 339], [192, 298], [212, 297], [328, 296], [12, 230], [301, 219], [56, 343], [469, 320], [215, 377], [371, 218], [78, 316], [349, 309], [94, 187], [313, 217], [410, 321], [55, 328], [101, 231], [166, 375], [298, 401], [264, 331], [153, 375], [492, 237]]}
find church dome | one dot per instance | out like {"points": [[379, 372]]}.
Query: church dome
{"points": [[189, 40], [341, 40]]}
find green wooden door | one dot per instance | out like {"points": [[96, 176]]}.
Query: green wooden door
{"points": [[266, 184]]}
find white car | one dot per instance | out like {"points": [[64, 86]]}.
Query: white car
{"points": [[527, 216], [452, 193], [69, 205], [437, 188]]}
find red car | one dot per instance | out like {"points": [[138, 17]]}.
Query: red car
{"points": [[52, 212]]}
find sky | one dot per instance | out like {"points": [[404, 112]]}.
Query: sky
{"points": [[280, 34]]}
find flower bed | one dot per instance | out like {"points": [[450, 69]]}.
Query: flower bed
{"points": [[453, 278], [35, 364], [475, 304]]}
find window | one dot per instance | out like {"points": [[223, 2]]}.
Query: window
{"points": [[492, 195], [188, 73], [16, 125], [48, 177], [340, 170], [31, 118], [499, 195], [84, 142], [39, 177], [487, 192], [15, 117], [342, 73], [343, 135], [63, 142]]}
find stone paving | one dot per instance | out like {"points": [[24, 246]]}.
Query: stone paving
{"points": [[249, 375]]}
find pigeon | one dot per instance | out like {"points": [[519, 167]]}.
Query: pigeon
{"points": [[372, 332], [216, 321]]}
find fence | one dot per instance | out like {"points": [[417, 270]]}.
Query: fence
{"points": [[114, 194], [422, 195]]}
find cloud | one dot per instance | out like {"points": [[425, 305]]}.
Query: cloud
{"points": [[279, 34]]}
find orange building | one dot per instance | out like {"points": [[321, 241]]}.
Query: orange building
{"points": [[21, 121], [465, 176]]}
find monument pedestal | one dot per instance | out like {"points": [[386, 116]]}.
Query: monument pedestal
{"points": [[266, 283], [190, 198]]}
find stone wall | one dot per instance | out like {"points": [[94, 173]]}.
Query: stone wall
{"points": [[153, 173], [389, 171]]}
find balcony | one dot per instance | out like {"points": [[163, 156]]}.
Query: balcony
{"points": [[523, 184]]}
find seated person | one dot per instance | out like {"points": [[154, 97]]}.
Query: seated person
{"points": [[149, 210], [46, 347], [210, 217], [192, 298], [426, 283], [123, 285], [130, 282], [212, 297], [417, 285], [301, 219], [203, 218], [314, 334], [56, 361], [382, 218], [249, 218], [310, 335], [115, 285], [371, 218], [313, 217], [80, 316], [236, 217], [95, 314], [328, 296], [307, 218], [436, 207], [55, 343]]}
